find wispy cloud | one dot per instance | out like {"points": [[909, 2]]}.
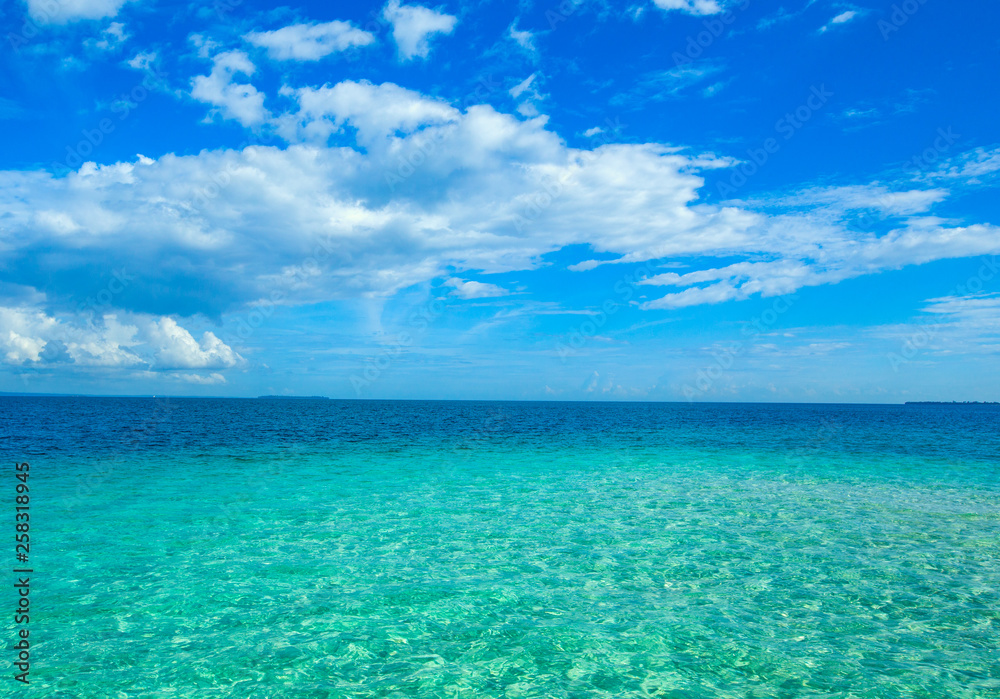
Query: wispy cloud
{"points": [[841, 19], [474, 290], [64, 11], [522, 37], [111, 38], [666, 84]]}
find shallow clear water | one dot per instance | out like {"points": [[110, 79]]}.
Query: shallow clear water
{"points": [[252, 548]]}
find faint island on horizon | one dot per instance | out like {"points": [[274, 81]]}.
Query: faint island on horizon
{"points": [[293, 398], [952, 402]]}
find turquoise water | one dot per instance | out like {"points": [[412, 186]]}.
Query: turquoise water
{"points": [[349, 549]]}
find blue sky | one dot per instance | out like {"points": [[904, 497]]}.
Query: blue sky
{"points": [[664, 200]]}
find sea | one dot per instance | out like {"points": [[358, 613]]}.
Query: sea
{"points": [[313, 548]]}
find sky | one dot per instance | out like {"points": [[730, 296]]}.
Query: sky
{"points": [[667, 200]]}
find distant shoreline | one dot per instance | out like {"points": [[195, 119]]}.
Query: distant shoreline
{"points": [[11, 394], [951, 402], [293, 398]]}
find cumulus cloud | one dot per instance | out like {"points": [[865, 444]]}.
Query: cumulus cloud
{"points": [[310, 42], [63, 11], [474, 290], [177, 348], [377, 112], [29, 336], [414, 25], [241, 102], [20, 333], [416, 189]]}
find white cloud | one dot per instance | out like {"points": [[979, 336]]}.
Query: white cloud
{"points": [[842, 18], [376, 111], [714, 88], [213, 379], [18, 335], [29, 336], [973, 166], [691, 7], [111, 38], [982, 308], [177, 349], [528, 95], [524, 38], [664, 84], [594, 384], [518, 89], [63, 11], [430, 191], [204, 45], [958, 324], [827, 257], [474, 290], [413, 25], [57, 222], [875, 197], [241, 102], [143, 60], [310, 42]]}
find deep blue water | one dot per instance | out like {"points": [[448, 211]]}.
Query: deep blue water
{"points": [[92, 426]]}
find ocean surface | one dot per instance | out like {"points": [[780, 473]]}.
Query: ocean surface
{"points": [[322, 548]]}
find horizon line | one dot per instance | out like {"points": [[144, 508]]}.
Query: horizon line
{"points": [[18, 394]]}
